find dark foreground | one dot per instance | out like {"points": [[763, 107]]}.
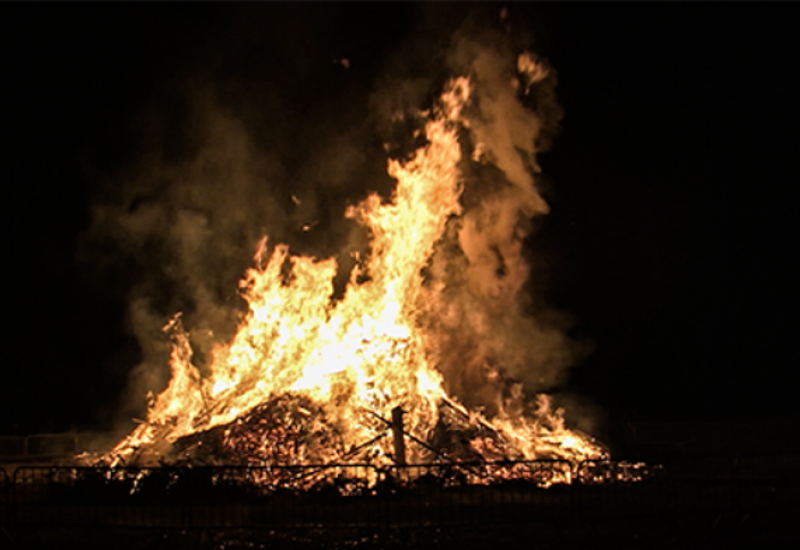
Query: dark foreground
{"points": [[703, 502]]}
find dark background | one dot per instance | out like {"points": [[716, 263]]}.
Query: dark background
{"points": [[671, 185]]}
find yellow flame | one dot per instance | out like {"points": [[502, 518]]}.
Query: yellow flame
{"points": [[362, 354]]}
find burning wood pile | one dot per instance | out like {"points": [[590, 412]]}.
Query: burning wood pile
{"points": [[361, 379], [293, 430]]}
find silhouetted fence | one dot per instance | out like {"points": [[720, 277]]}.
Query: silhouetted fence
{"points": [[362, 495], [50, 446]]}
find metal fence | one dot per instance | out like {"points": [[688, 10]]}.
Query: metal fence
{"points": [[397, 497], [285, 496], [49, 446]]}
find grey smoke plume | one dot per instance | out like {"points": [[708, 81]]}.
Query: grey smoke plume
{"points": [[228, 168]]}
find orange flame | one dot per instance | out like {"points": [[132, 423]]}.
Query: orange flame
{"points": [[359, 357]]}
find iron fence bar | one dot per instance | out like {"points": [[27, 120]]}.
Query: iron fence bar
{"points": [[485, 501], [438, 494]]}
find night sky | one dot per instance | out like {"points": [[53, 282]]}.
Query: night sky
{"points": [[671, 183]]}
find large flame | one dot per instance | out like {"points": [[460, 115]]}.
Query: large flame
{"points": [[348, 363]]}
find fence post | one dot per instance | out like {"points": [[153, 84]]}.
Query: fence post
{"points": [[397, 433]]}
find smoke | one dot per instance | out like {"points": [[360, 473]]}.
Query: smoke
{"points": [[497, 336], [225, 161], [181, 227]]}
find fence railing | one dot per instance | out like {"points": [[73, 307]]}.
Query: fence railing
{"points": [[362, 495], [46, 446], [282, 496]]}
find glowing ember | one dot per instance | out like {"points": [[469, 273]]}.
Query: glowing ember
{"points": [[310, 380]]}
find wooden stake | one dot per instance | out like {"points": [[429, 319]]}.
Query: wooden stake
{"points": [[397, 432]]}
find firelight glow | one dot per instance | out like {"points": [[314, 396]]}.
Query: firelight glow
{"points": [[357, 358]]}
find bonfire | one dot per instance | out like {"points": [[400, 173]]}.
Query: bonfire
{"points": [[359, 379]]}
